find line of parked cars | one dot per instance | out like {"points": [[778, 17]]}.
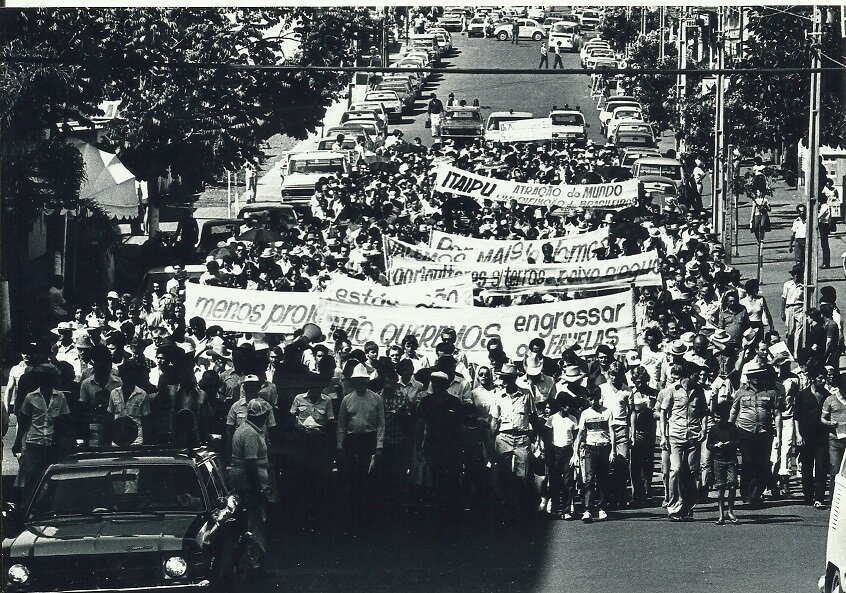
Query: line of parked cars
{"points": [[571, 25]]}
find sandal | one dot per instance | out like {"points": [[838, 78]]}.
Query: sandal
{"points": [[720, 522]]}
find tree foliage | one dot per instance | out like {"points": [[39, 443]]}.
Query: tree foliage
{"points": [[620, 26], [767, 110], [656, 92], [194, 119]]}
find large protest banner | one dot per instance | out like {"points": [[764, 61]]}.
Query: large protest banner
{"points": [[608, 196], [255, 311], [517, 278], [565, 250], [591, 321], [449, 292]]}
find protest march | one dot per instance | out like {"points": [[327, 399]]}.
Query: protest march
{"points": [[503, 326]]}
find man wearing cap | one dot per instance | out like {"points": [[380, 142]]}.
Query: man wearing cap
{"points": [[237, 415], [42, 413], [683, 427], [249, 474], [756, 414], [511, 416], [361, 435]]}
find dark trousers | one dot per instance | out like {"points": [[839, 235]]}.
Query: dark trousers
{"points": [[799, 252], [643, 466], [544, 61], [358, 451], [561, 483], [597, 470], [835, 457], [813, 458], [755, 469], [825, 229], [514, 39], [558, 63]]}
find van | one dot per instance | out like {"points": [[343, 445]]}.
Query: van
{"points": [[835, 551], [492, 130]]}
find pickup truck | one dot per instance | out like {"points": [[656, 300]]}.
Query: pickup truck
{"points": [[304, 169], [461, 123]]}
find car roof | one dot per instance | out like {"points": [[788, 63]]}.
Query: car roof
{"points": [[143, 454], [658, 160], [526, 114], [657, 178]]}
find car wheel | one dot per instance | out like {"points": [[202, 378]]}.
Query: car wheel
{"points": [[537, 36], [502, 36]]}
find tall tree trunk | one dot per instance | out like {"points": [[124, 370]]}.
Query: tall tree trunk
{"points": [[153, 199]]}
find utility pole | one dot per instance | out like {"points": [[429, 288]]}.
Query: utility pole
{"points": [[384, 44], [812, 168], [718, 193], [662, 23], [681, 78]]}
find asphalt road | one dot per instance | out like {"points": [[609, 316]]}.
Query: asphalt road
{"points": [[527, 92]]}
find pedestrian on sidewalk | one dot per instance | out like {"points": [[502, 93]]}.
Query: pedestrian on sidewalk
{"points": [[544, 51], [559, 50], [824, 226], [759, 223], [798, 232]]}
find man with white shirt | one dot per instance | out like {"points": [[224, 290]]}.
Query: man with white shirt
{"points": [[798, 233]]}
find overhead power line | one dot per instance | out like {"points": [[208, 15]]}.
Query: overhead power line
{"points": [[432, 70]]}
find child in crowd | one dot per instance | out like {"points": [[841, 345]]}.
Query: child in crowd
{"points": [[722, 443]]}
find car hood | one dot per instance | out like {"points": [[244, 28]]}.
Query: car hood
{"points": [[303, 178], [105, 536]]}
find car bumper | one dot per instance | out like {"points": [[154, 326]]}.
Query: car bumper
{"points": [[202, 585]]}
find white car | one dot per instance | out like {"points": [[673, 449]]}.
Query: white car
{"points": [[529, 29], [420, 54], [608, 110], [493, 132], [835, 553], [597, 52], [374, 107], [411, 62], [622, 114], [536, 12], [592, 44], [565, 32], [589, 19], [476, 27], [390, 99]]}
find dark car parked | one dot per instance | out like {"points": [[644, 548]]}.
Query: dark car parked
{"points": [[135, 519]]}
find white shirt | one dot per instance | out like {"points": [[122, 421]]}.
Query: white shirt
{"points": [[564, 429], [799, 228]]}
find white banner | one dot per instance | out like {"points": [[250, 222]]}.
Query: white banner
{"points": [[262, 311], [449, 292], [591, 321], [608, 196], [565, 250], [517, 278]]}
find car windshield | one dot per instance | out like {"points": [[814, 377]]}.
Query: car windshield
{"points": [[634, 139], [477, 21], [494, 122], [630, 113], [81, 491], [562, 27], [671, 171], [316, 165], [382, 96], [468, 115], [328, 143], [567, 119]]}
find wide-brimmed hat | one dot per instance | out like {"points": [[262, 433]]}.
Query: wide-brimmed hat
{"points": [[678, 348], [720, 337], [64, 326], [633, 358], [687, 338], [749, 335], [534, 366], [572, 344], [754, 367], [572, 374], [509, 369], [113, 295], [782, 358], [360, 372], [267, 253], [46, 370]]}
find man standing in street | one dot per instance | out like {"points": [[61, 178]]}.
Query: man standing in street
{"points": [[812, 438], [597, 435], [361, 436], [834, 418], [435, 109], [757, 416], [249, 475], [798, 233], [515, 32], [683, 425], [544, 51], [559, 50]]}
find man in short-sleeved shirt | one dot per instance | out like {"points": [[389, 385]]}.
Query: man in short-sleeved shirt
{"points": [[320, 412], [135, 405]]}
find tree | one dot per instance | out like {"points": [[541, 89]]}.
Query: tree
{"points": [[656, 92], [193, 99], [620, 26], [768, 111]]}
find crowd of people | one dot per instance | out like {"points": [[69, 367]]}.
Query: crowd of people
{"points": [[575, 436]]}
